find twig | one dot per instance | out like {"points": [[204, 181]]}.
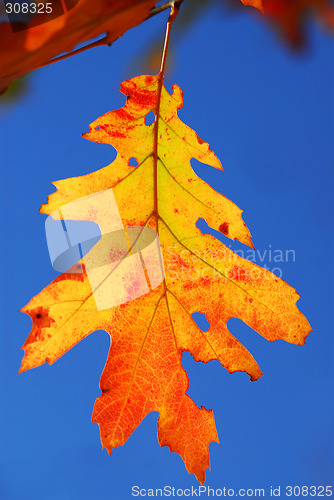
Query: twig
{"points": [[164, 6], [104, 40], [97, 43]]}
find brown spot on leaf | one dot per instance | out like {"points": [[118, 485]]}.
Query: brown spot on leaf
{"points": [[239, 274], [41, 320], [205, 281], [110, 130], [224, 228], [145, 98], [199, 140], [124, 115], [188, 286], [71, 276]]}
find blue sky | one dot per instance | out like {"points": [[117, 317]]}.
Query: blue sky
{"points": [[269, 116]]}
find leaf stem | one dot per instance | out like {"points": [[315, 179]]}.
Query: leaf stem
{"points": [[174, 11], [173, 14]]}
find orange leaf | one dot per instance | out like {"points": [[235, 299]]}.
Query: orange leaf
{"points": [[149, 329], [23, 51]]}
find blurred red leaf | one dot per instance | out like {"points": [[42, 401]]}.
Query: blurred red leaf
{"points": [[290, 16], [23, 51]]}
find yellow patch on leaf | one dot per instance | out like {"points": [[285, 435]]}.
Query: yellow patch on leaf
{"points": [[144, 372]]}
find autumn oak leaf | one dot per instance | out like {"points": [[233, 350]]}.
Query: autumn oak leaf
{"points": [[148, 335]]}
